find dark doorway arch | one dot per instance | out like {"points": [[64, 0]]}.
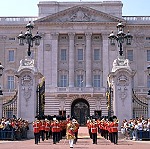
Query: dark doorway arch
{"points": [[80, 109]]}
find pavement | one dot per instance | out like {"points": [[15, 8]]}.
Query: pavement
{"points": [[84, 142]]}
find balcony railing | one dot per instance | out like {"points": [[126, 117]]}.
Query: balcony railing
{"points": [[75, 90], [13, 20], [137, 19]]}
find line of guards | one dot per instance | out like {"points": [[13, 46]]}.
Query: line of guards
{"points": [[57, 127], [52, 127], [108, 128]]}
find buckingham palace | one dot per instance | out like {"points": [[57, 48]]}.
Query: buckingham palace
{"points": [[75, 56]]}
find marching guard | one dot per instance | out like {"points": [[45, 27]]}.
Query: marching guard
{"points": [[47, 128], [42, 128], [94, 130], [55, 127], [74, 121], [36, 130], [114, 128], [70, 132]]}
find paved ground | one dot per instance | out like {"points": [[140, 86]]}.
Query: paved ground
{"points": [[83, 143]]}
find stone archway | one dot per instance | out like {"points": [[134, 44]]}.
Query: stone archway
{"points": [[80, 109]]}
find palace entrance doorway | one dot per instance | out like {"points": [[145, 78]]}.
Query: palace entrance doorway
{"points": [[80, 109]]}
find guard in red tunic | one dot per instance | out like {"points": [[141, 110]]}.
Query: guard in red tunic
{"points": [[54, 126], [47, 128], [88, 124], [36, 130], [94, 130], [42, 128], [114, 129]]}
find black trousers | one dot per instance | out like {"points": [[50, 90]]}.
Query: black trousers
{"points": [[94, 137], [115, 137], [76, 135], [55, 138], [36, 137]]}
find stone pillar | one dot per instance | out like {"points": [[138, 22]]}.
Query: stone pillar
{"points": [[148, 106], [1, 106], [71, 59], [54, 58], [105, 53], [28, 78], [121, 81], [88, 60], [1, 99]]}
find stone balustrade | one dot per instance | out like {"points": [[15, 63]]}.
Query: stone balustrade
{"points": [[137, 19], [5, 20]]}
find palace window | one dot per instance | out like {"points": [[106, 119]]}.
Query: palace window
{"points": [[80, 54], [96, 54], [96, 81], [63, 55], [11, 55], [63, 81], [148, 55], [79, 80], [130, 55], [10, 84]]}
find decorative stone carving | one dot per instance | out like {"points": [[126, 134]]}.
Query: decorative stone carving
{"points": [[122, 83], [121, 62], [80, 16], [26, 82], [122, 80], [48, 47], [123, 93], [27, 62]]}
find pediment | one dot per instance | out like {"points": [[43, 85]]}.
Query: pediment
{"points": [[79, 14]]}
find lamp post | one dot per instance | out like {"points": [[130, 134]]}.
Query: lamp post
{"points": [[28, 38], [120, 38]]}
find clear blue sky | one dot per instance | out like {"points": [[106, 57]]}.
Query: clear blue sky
{"points": [[30, 8]]}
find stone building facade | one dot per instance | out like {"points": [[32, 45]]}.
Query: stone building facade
{"points": [[75, 55]]}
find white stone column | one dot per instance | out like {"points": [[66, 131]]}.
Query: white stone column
{"points": [[105, 52], [121, 76], [88, 60], [71, 59], [28, 79], [54, 58]]}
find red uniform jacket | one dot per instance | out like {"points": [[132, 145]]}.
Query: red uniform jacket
{"points": [[47, 125], [55, 127], [36, 126], [114, 127], [42, 126], [94, 127]]}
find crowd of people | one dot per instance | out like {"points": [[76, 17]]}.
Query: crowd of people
{"points": [[136, 129], [13, 128]]}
